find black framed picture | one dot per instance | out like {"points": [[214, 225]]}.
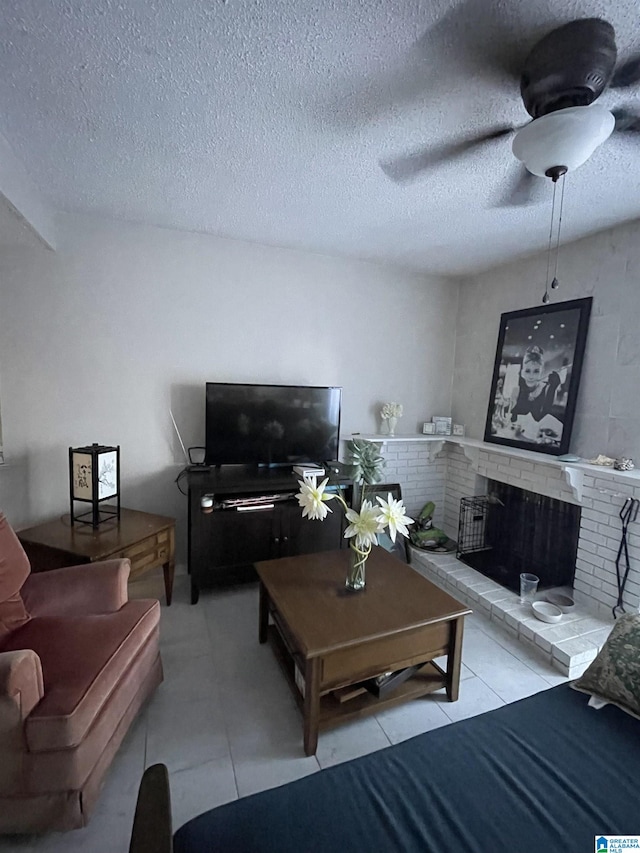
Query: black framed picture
{"points": [[536, 376]]}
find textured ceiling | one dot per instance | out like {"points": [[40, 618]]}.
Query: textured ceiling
{"points": [[267, 120]]}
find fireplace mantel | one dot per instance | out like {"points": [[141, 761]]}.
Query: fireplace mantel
{"points": [[633, 477], [574, 472]]}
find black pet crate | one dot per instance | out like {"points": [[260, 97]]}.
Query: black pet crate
{"points": [[512, 530], [472, 526]]}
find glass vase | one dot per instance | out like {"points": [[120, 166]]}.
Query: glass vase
{"points": [[356, 579], [391, 425]]}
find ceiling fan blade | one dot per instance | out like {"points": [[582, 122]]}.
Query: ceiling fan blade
{"points": [[627, 121], [402, 169], [526, 189], [477, 35], [626, 74]]}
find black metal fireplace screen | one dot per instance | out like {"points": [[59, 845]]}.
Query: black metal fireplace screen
{"points": [[510, 530]]}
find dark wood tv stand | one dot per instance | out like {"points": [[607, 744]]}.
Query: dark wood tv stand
{"points": [[226, 540]]}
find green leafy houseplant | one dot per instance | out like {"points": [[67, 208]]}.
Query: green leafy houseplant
{"points": [[365, 518]]}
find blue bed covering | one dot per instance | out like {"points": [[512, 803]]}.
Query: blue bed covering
{"points": [[545, 774]]}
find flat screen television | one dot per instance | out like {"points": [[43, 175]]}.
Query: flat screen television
{"points": [[271, 424]]}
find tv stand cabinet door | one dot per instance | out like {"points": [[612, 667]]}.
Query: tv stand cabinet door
{"points": [[226, 543], [307, 536]]}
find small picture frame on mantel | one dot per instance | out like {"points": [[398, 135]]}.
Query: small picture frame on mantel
{"points": [[443, 425], [429, 428]]}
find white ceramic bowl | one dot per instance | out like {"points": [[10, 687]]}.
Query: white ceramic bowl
{"points": [[564, 602], [546, 612]]}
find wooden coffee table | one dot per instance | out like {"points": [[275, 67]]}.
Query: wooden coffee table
{"points": [[328, 639]]}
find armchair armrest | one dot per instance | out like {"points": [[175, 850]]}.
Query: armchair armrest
{"points": [[21, 684], [21, 688], [88, 588]]}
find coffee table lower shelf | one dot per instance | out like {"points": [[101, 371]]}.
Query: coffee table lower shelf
{"points": [[429, 678]]}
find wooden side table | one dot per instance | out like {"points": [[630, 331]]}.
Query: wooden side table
{"points": [[145, 539]]}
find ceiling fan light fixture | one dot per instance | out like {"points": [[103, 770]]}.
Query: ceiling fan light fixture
{"points": [[563, 138]]}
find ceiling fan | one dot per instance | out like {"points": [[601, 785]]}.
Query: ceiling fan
{"points": [[561, 78]]}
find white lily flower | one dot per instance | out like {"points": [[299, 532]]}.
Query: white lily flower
{"points": [[392, 513], [312, 498], [364, 525]]}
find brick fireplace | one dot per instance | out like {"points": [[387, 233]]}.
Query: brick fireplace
{"points": [[512, 530], [599, 492], [445, 470]]}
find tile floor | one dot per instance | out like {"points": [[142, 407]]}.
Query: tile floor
{"points": [[225, 723]]}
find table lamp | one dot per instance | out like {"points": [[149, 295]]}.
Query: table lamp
{"points": [[94, 477]]}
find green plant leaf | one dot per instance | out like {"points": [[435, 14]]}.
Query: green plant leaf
{"points": [[366, 463]]}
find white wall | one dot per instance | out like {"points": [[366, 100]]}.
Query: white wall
{"points": [[605, 266], [99, 339]]}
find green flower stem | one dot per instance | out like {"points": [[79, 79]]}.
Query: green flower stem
{"points": [[355, 577], [362, 554], [342, 501]]}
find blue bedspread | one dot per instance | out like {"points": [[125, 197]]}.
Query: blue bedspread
{"points": [[545, 774]]}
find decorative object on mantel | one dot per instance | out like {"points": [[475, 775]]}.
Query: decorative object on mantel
{"points": [[458, 429], [625, 463], [536, 376], [94, 477], [428, 428], [365, 519], [569, 457], [390, 413], [443, 425], [601, 459]]}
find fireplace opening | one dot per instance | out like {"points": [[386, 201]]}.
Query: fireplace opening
{"points": [[510, 530]]}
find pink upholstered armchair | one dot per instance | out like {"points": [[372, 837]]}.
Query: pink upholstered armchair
{"points": [[77, 661]]}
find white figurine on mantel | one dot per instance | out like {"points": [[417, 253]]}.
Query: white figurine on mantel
{"points": [[390, 413]]}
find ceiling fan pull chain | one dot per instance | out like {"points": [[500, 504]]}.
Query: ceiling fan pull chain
{"points": [[545, 297], [554, 282]]}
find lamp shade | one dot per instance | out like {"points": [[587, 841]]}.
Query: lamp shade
{"points": [[94, 477], [562, 138]]}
